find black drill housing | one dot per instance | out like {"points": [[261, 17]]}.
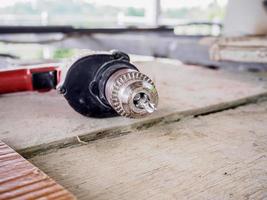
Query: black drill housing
{"points": [[85, 81]]}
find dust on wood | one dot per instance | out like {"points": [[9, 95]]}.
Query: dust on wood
{"points": [[218, 156]]}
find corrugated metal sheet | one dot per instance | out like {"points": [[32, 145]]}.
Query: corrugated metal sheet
{"points": [[19, 179]]}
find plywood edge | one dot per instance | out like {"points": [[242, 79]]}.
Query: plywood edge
{"points": [[19, 179]]}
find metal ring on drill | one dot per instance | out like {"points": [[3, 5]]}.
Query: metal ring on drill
{"points": [[131, 93]]}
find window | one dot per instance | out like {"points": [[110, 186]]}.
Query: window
{"points": [[115, 13]]}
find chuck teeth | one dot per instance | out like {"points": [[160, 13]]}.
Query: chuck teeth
{"points": [[122, 80]]}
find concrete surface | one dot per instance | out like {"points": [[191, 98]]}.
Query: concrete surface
{"points": [[34, 122], [218, 156]]}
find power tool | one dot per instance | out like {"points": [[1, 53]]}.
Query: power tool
{"points": [[99, 84]]}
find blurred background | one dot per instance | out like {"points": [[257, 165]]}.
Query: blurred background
{"points": [[178, 29], [113, 14]]}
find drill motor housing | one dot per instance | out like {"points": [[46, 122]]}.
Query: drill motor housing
{"points": [[89, 90]]}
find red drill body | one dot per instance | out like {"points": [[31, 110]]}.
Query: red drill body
{"points": [[31, 79]]}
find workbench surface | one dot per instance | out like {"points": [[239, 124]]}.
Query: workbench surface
{"points": [[218, 156], [39, 120], [206, 141]]}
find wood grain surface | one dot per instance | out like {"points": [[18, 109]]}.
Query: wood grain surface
{"points": [[20, 180], [38, 121], [213, 157]]}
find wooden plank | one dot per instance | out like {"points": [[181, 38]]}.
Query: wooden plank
{"points": [[240, 49], [38, 120], [252, 54], [218, 156], [245, 41], [19, 179]]}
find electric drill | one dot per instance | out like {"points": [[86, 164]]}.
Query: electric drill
{"points": [[94, 84]]}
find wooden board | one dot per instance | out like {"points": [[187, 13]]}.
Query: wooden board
{"points": [[37, 121], [218, 156], [240, 49], [20, 180], [244, 41]]}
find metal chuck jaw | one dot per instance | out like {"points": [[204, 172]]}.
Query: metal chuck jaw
{"points": [[105, 85]]}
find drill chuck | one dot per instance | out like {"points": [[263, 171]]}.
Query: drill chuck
{"points": [[131, 93], [107, 84]]}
